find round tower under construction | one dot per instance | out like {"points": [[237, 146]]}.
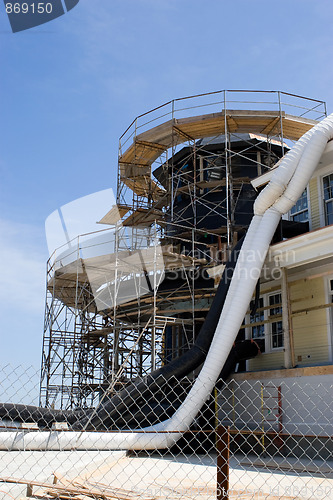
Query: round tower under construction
{"points": [[133, 296]]}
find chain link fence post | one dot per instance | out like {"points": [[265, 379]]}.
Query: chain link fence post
{"points": [[223, 451]]}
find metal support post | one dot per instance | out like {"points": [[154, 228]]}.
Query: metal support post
{"points": [[223, 450], [281, 123]]}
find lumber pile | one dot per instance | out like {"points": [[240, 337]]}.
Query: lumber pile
{"points": [[75, 490]]}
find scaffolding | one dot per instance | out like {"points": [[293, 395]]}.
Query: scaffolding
{"points": [[184, 184]]}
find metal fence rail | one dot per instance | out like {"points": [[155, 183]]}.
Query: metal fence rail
{"points": [[252, 439]]}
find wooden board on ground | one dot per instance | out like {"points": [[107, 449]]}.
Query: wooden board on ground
{"points": [[69, 490]]}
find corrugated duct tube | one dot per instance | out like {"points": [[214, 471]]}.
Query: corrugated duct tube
{"points": [[287, 184]]}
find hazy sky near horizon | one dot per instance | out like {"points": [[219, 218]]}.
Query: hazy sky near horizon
{"points": [[71, 87]]}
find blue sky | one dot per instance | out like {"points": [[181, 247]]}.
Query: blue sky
{"points": [[71, 87]]}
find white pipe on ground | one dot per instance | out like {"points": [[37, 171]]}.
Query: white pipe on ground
{"points": [[282, 192]]}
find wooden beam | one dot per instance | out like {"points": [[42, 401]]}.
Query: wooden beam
{"points": [[183, 134], [289, 356], [69, 489], [313, 308], [151, 145], [232, 124], [116, 213], [268, 129]]}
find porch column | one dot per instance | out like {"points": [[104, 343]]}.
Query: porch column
{"points": [[289, 358]]}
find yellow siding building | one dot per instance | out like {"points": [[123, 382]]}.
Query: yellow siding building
{"points": [[298, 282]]}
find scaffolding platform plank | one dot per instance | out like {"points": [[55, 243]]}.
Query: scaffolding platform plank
{"points": [[116, 213], [66, 281], [149, 145], [213, 184], [144, 186], [143, 217]]}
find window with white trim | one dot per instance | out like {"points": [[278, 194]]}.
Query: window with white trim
{"points": [[300, 211], [266, 322], [328, 198], [258, 329], [275, 312]]}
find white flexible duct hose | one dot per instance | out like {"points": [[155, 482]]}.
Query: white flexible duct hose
{"points": [[282, 175], [287, 184]]}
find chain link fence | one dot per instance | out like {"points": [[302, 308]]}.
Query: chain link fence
{"points": [[269, 439]]}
